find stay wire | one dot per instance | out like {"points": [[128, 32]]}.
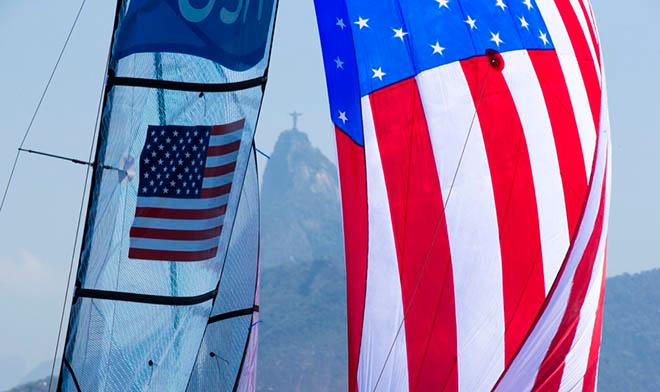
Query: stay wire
{"points": [[435, 232], [41, 100], [77, 236], [86, 182]]}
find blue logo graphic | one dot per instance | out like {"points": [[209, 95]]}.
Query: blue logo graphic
{"points": [[233, 33]]}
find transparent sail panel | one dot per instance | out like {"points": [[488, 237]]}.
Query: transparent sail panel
{"points": [[224, 347], [169, 262], [134, 110]]}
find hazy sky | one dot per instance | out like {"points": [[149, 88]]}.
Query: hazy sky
{"points": [[38, 224]]}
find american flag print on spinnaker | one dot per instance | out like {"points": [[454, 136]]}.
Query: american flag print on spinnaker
{"points": [[473, 151], [185, 178]]}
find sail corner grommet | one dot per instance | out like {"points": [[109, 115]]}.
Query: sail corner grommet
{"points": [[495, 59]]}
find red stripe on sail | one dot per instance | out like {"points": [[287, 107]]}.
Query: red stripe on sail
{"points": [[173, 213], [208, 193], [179, 235], [565, 131], [590, 376], [219, 170], [224, 129], [420, 235], [515, 200], [353, 182], [150, 254], [588, 68], [224, 149], [551, 370], [592, 30]]}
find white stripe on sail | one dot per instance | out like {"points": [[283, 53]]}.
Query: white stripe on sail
{"points": [[212, 182], [183, 204], [576, 360], [221, 160], [522, 372], [550, 199], [576, 88], [471, 223], [383, 307], [575, 4], [219, 140], [178, 224], [174, 245]]}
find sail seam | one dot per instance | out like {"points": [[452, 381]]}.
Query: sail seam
{"points": [[144, 298], [186, 86]]}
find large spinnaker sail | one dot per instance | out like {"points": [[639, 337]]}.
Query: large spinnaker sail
{"points": [[165, 290], [474, 159]]}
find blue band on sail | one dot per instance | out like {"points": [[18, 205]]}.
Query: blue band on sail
{"points": [[232, 35]]}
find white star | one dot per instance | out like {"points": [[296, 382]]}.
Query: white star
{"points": [[443, 3], [523, 23], [342, 117], [500, 3], [340, 64], [471, 22], [378, 73], [544, 37], [399, 33], [437, 49], [362, 22], [528, 3], [495, 37], [340, 23]]}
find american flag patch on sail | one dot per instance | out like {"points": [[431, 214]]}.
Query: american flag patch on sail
{"points": [[186, 173]]}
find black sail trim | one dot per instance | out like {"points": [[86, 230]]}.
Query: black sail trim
{"points": [[234, 313], [186, 86], [144, 298], [72, 373]]}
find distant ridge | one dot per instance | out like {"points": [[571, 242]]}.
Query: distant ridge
{"points": [[300, 216], [303, 336], [630, 352]]}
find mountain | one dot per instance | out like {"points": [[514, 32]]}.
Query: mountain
{"points": [[301, 218], [302, 340], [630, 352], [35, 386], [303, 334]]}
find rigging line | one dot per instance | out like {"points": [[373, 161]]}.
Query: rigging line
{"points": [[41, 100], [435, 233], [262, 153], [80, 215]]}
